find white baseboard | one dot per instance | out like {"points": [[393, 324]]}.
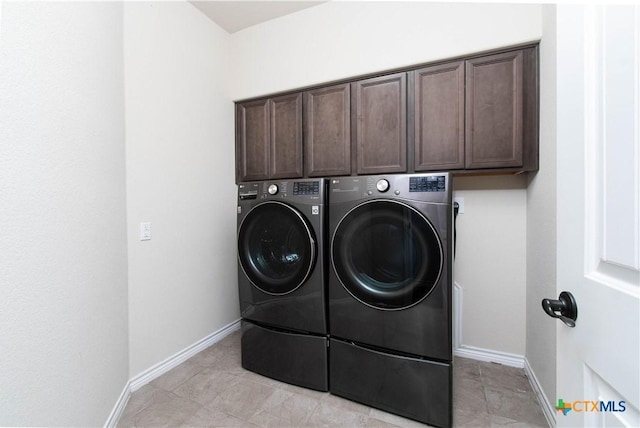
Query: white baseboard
{"points": [[472, 352], [175, 360], [118, 409], [488, 355], [161, 368], [547, 407]]}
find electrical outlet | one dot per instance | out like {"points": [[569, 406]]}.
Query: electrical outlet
{"points": [[145, 231], [460, 202]]}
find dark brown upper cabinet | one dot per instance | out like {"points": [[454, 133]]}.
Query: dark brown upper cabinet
{"points": [[269, 138], [252, 140], [286, 136], [477, 114], [495, 111], [327, 131], [379, 116], [438, 117]]}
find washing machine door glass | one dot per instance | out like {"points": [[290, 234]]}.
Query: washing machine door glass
{"points": [[387, 254], [276, 248]]}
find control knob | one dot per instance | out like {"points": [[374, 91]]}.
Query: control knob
{"points": [[382, 185], [273, 189]]}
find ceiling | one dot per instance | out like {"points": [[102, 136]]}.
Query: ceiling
{"points": [[239, 14]]}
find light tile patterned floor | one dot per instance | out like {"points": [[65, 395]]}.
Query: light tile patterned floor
{"points": [[213, 390]]}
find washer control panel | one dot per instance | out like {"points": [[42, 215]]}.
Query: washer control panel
{"points": [[307, 188], [248, 191], [303, 191]]}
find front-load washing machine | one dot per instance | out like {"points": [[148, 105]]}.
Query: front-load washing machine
{"points": [[390, 293], [281, 280]]}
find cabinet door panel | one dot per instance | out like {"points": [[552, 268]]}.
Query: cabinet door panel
{"points": [[494, 111], [439, 117], [286, 136], [328, 131], [381, 124], [252, 140], [530, 121]]}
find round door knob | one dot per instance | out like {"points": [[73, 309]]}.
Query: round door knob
{"points": [[382, 185], [273, 189]]}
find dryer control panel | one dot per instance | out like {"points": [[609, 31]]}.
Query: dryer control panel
{"points": [[430, 187], [433, 183]]}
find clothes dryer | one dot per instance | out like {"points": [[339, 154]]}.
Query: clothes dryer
{"points": [[281, 280], [390, 293]]}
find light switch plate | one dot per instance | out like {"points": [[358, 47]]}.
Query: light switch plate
{"points": [[145, 231]]}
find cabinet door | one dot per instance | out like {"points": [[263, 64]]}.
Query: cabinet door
{"points": [[494, 111], [285, 123], [438, 103], [252, 140], [327, 138], [380, 110]]}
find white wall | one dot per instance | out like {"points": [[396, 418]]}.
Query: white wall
{"points": [[180, 177], [63, 269], [541, 222], [490, 262], [339, 40]]}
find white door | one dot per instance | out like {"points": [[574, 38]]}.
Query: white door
{"points": [[598, 188]]}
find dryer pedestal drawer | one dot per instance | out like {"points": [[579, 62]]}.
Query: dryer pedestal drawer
{"points": [[299, 359], [417, 389]]}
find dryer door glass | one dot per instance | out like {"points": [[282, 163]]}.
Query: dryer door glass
{"points": [[387, 254], [276, 248]]}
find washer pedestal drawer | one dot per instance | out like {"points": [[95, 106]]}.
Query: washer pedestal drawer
{"points": [[295, 358], [410, 387]]}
